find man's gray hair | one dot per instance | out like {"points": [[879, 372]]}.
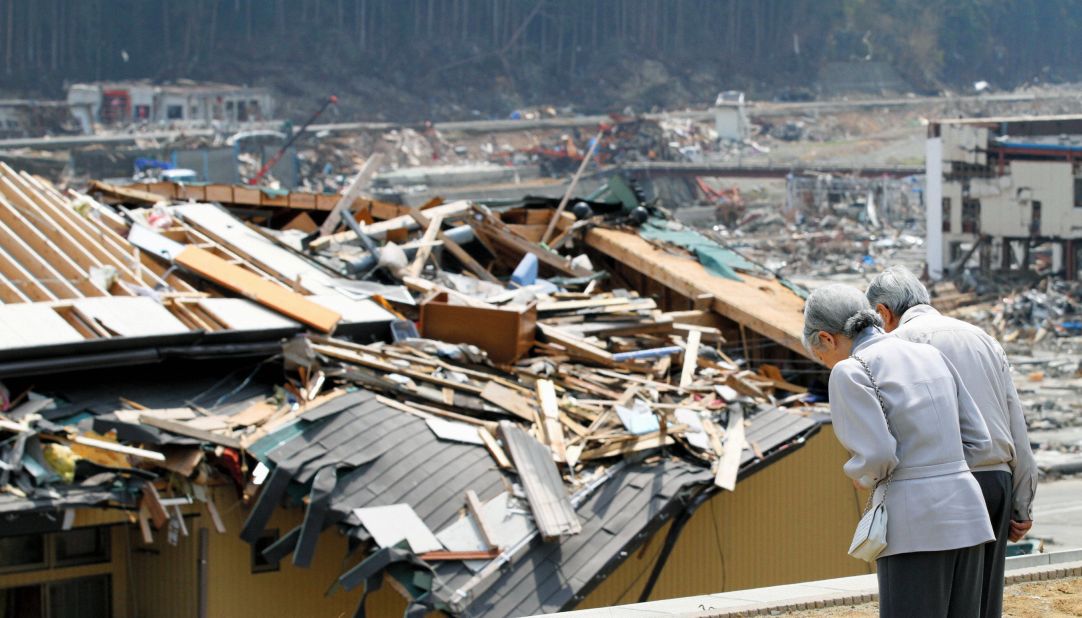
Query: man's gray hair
{"points": [[898, 289], [837, 309]]}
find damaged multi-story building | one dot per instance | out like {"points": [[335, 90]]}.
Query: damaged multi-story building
{"points": [[120, 103], [998, 188]]}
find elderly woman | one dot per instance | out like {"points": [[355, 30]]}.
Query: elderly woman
{"points": [[937, 521]]}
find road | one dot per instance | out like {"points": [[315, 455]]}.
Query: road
{"points": [[755, 108], [1057, 513]]}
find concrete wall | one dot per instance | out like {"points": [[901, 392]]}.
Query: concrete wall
{"points": [[791, 522]]}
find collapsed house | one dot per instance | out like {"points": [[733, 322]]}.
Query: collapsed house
{"points": [[289, 404]]}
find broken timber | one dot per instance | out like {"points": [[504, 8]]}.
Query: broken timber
{"points": [[763, 305], [545, 491]]}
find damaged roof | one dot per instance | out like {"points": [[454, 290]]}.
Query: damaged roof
{"points": [[384, 456]]}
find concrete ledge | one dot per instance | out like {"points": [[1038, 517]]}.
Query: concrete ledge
{"points": [[819, 594]]}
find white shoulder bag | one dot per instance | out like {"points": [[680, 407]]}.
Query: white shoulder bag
{"points": [[870, 537]]}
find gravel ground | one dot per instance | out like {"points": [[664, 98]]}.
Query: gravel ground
{"points": [[1049, 599]]}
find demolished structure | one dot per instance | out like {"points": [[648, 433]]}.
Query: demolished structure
{"points": [[488, 407], [998, 188]]}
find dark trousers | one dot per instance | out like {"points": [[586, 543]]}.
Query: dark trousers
{"points": [[998, 489], [931, 584]]}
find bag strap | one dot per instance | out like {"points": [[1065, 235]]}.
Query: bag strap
{"points": [[883, 409]]}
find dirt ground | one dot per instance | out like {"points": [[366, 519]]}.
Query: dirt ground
{"points": [[1050, 599]]}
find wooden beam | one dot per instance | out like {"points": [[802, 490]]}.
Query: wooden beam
{"points": [[357, 359], [691, 359], [359, 182], [729, 464], [550, 410], [191, 432], [39, 265], [762, 304], [571, 187], [425, 248], [266, 293], [509, 400], [577, 348], [23, 280], [456, 250], [495, 449], [77, 233], [627, 447], [477, 510]]}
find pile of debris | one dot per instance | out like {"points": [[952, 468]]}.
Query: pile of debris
{"points": [[491, 329]]}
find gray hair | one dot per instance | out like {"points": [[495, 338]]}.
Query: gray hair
{"points": [[837, 309], [898, 289]]}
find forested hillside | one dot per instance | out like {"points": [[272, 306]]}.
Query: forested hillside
{"points": [[447, 58]]}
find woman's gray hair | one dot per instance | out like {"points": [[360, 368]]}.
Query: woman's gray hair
{"points": [[898, 289], [839, 310]]}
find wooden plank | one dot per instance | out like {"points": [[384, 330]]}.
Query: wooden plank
{"points": [[577, 348], [359, 182], [269, 294], [425, 248], [191, 432], [63, 217], [477, 510], [104, 445], [380, 229], [20, 278], [9, 292], [495, 449], [117, 245], [571, 188], [627, 447], [456, 250], [499, 234], [436, 556], [550, 410], [551, 507], [38, 260], [388, 368], [153, 503], [729, 464], [509, 400], [713, 432], [251, 246], [691, 359], [144, 524], [126, 194], [764, 305], [215, 518]]}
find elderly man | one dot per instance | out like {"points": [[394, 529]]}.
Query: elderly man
{"points": [[1011, 481]]}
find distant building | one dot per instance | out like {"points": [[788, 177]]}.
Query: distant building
{"points": [[30, 118], [120, 103], [730, 118], [998, 187]]}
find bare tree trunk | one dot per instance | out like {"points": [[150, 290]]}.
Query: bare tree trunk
{"points": [[10, 38]]}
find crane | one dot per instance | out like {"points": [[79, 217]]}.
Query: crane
{"points": [[254, 180]]}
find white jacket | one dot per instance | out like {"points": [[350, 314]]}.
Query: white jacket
{"points": [[933, 501], [984, 369]]}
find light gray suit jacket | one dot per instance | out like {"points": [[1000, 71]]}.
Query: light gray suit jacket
{"points": [[933, 501], [983, 366]]}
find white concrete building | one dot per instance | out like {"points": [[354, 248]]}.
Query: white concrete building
{"points": [[998, 187], [119, 103], [730, 117]]}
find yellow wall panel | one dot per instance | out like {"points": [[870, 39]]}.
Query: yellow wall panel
{"points": [[789, 522]]}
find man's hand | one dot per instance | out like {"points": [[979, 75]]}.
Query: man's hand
{"points": [[1019, 529]]}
